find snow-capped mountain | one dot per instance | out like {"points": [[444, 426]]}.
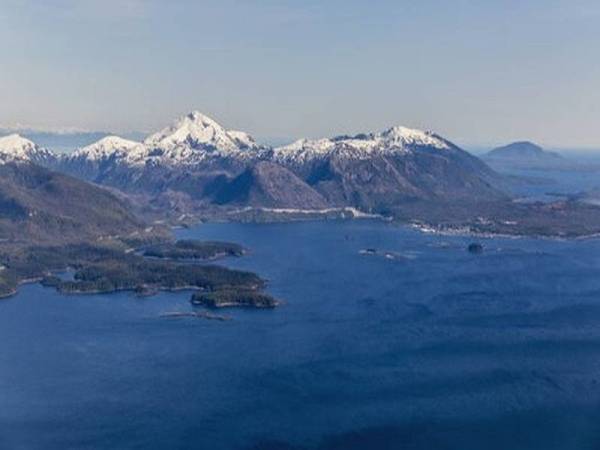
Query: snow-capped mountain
{"points": [[395, 140], [111, 147], [190, 140], [110, 150], [15, 148], [108, 153], [199, 158], [194, 143], [378, 171], [196, 137]]}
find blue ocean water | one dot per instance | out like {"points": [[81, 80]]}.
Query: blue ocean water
{"points": [[434, 348]]}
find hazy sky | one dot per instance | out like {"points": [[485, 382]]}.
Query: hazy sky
{"points": [[479, 72]]}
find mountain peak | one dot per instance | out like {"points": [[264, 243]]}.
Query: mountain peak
{"points": [[194, 137], [197, 116], [196, 121], [116, 141], [521, 150], [107, 147], [15, 147], [112, 143], [401, 135], [196, 131], [526, 143], [397, 139], [14, 141]]}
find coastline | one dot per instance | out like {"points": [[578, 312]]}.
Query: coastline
{"points": [[20, 283], [106, 270], [285, 216], [424, 228], [461, 232]]}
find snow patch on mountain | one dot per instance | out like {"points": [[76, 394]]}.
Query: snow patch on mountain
{"points": [[109, 147], [243, 139], [406, 137], [14, 148], [200, 132], [391, 141], [195, 139]]}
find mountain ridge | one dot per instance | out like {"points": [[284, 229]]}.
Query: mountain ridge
{"points": [[15, 148], [203, 159], [196, 131], [195, 169]]}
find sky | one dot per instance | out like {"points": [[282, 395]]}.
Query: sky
{"points": [[478, 72]]}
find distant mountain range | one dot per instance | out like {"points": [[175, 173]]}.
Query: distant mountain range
{"points": [[207, 165], [64, 140], [199, 169], [14, 148]]}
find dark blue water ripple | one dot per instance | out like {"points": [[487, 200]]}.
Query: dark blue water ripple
{"points": [[432, 349]]}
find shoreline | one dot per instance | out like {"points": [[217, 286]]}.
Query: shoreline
{"points": [[155, 290], [174, 274], [20, 283], [422, 227], [425, 229]]}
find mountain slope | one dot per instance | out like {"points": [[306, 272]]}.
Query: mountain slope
{"points": [[210, 165], [380, 170], [92, 161], [195, 137], [524, 154], [266, 184], [198, 168], [396, 140], [38, 205]]}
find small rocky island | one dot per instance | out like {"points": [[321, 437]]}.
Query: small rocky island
{"points": [[475, 247], [228, 298]]}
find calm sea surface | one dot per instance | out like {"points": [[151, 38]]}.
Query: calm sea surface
{"points": [[432, 349]]}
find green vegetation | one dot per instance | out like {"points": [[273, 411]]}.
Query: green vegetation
{"points": [[110, 268], [40, 206], [131, 272], [189, 249], [51, 222], [224, 298], [8, 282]]}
